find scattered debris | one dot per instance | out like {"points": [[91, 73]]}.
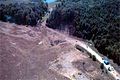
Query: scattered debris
{"points": [[40, 42]]}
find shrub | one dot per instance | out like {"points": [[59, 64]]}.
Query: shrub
{"points": [[94, 58]]}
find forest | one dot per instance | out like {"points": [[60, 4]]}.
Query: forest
{"points": [[96, 20], [23, 13]]}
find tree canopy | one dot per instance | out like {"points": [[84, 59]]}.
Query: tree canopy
{"points": [[23, 13], [96, 20]]}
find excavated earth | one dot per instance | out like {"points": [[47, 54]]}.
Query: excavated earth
{"points": [[38, 53]]}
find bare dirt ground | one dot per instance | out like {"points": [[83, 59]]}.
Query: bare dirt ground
{"points": [[38, 53]]}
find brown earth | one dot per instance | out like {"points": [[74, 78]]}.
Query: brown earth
{"points": [[38, 53]]}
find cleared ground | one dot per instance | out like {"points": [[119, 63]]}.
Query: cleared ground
{"points": [[40, 53]]}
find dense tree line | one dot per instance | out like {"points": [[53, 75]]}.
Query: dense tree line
{"points": [[96, 20], [23, 13]]}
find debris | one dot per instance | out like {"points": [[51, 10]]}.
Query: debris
{"points": [[40, 42]]}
